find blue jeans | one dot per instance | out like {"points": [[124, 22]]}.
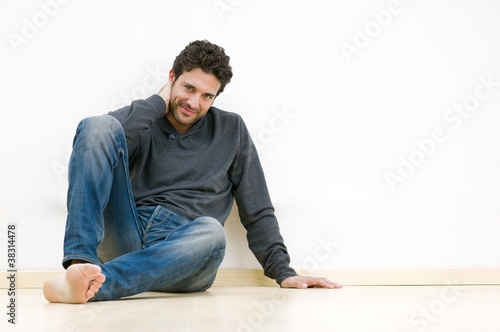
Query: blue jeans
{"points": [[139, 249]]}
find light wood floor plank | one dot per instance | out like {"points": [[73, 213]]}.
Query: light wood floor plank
{"points": [[258, 308], [350, 277]]}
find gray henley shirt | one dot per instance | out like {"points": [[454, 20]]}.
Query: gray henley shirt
{"points": [[200, 172]]}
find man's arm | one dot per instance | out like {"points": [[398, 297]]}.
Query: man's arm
{"points": [[256, 210], [138, 116], [258, 218]]}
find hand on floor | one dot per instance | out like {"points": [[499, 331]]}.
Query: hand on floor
{"points": [[305, 282]]}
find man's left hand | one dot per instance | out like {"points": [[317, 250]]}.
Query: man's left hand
{"points": [[305, 282]]}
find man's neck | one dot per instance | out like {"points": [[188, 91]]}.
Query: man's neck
{"points": [[181, 129]]}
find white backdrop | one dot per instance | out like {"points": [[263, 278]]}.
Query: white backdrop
{"points": [[376, 121]]}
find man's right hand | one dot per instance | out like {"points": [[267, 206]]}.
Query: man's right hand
{"points": [[165, 94]]}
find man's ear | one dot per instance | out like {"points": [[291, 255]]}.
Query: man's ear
{"points": [[171, 76]]}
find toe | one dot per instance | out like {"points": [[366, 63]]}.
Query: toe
{"points": [[101, 278], [90, 294], [93, 288]]}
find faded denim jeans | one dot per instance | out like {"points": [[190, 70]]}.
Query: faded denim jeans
{"points": [[139, 249]]}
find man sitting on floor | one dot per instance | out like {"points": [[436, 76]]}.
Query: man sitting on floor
{"points": [[151, 184]]}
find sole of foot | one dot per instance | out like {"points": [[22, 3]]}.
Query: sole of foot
{"points": [[78, 284]]}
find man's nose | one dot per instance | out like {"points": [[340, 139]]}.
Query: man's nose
{"points": [[193, 103]]}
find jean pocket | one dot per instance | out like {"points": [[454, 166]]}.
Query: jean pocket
{"points": [[160, 225]]}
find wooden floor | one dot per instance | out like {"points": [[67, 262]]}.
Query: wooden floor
{"points": [[353, 308]]}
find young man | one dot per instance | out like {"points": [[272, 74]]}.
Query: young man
{"points": [[151, 184]]}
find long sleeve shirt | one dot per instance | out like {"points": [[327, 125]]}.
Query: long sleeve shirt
{"points": [[200, 172]]}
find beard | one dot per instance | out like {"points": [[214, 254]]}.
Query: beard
{"points": [[180, 117]]}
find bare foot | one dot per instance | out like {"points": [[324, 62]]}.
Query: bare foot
{"points": [[78, 284]]}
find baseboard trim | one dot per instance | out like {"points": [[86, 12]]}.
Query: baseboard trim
{"points": [[347, 277]]}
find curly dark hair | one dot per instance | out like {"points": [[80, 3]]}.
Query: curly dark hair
{"points": [[208, 57]]}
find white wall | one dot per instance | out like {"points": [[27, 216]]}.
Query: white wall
{"points": [[334, 110]]}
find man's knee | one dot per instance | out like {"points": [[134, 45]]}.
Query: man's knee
{"points": [[99, 127], [213, 231]]}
